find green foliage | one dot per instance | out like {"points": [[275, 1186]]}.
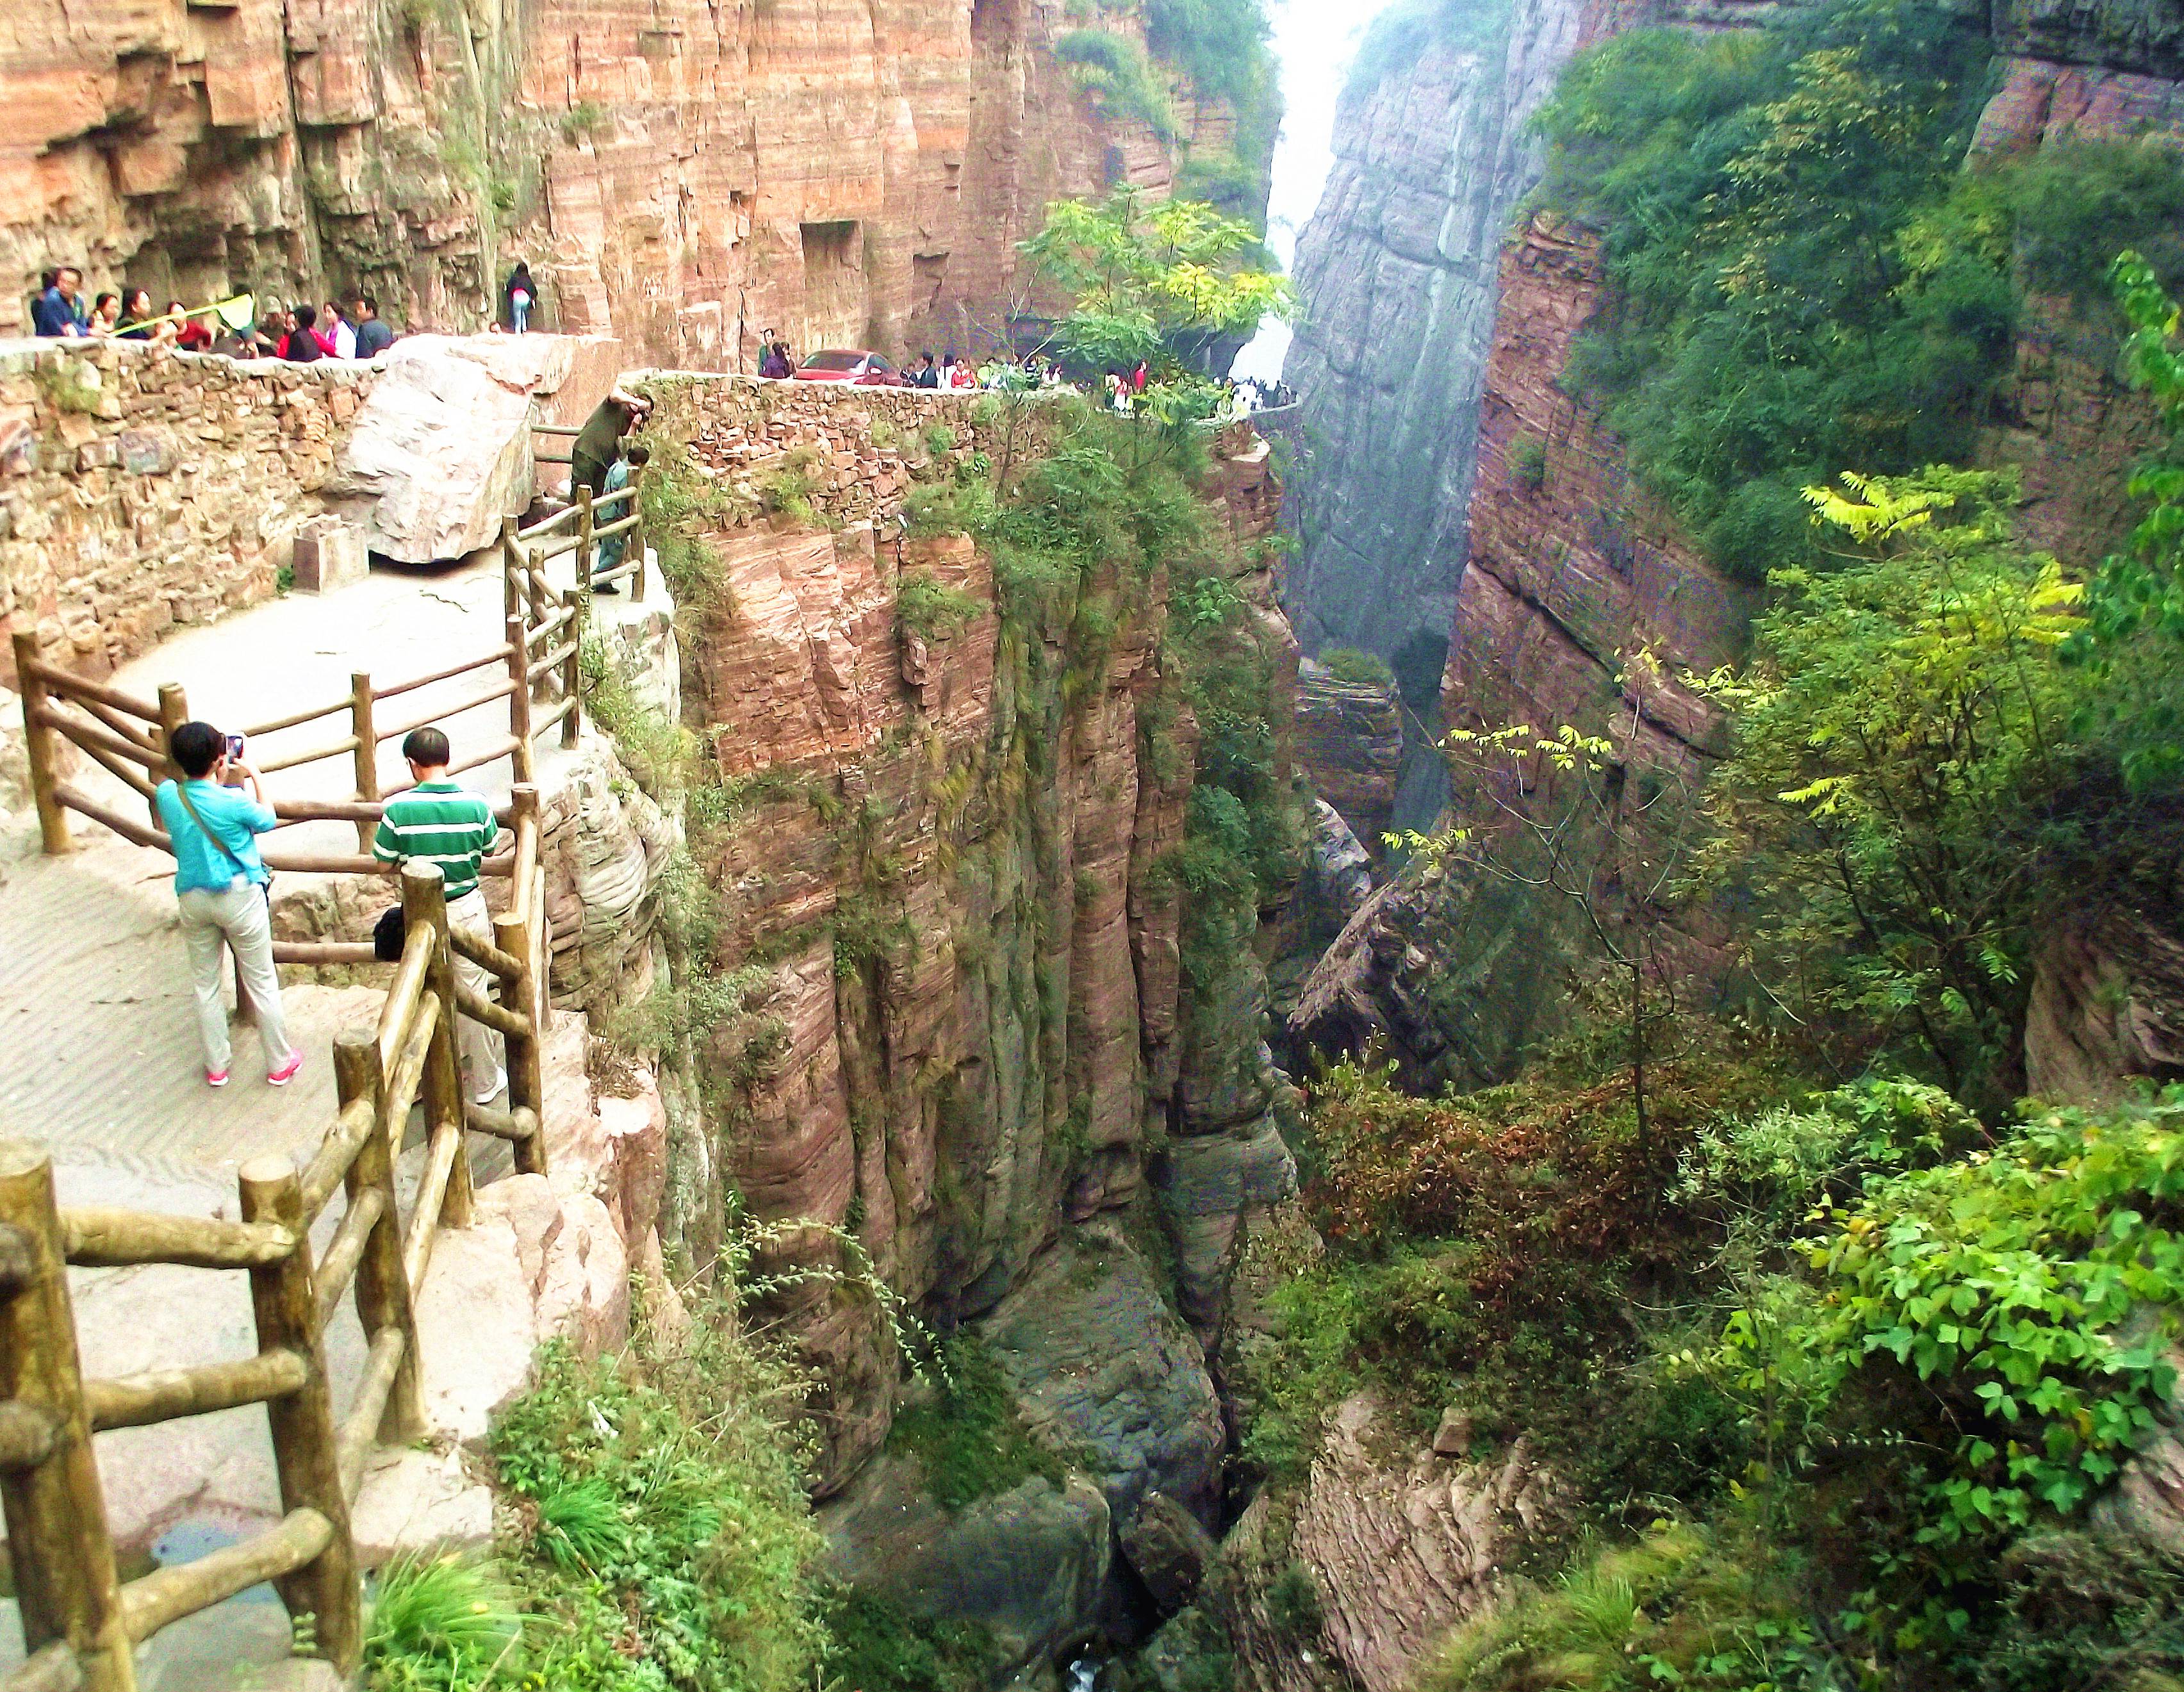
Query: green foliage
{"points": [[681, 506], [2073, 205], [1221, 46], [1120, 78], [1684, 1606], [1528, 462], [787, 486], [1233, 186], [1483, 1251], [1151, 283], [1899, 737], [940, 439], [931, 610], [1358, 669], [2140, 592], [2032, 1291], [1772, 325], [1403, 33], [878, 1646], [674, 1546], [438, 1624], [659, 753], [967, 1433]]}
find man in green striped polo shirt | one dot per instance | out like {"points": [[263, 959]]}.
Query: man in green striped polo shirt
{"points": [[438, 822]]}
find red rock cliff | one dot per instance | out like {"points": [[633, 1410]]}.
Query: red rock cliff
{"points": [[962, 1019], [683, 176]]}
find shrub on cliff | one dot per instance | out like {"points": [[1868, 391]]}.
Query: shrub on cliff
{"points": [[1357, 669], [1803, 279]]}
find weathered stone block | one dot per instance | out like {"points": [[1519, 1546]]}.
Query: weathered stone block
{"points": [[146, 452], [330, 556]]}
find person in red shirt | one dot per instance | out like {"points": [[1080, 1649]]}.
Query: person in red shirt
{"points": [[193, 337]]}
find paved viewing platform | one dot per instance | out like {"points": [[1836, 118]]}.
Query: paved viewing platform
{"points": [[98, 1053], [100, 1062]]}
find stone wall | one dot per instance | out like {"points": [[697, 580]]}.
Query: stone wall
{"points": [[849, 453], [142, 488]]}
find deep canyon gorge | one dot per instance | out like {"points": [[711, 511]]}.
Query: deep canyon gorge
{"points": [[1505, 1032]]}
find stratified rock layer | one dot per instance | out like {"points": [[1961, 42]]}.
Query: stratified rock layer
{"points": [[681, 174], [940, 856]]}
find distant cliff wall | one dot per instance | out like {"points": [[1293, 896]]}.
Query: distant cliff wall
{"points": [[1399, 270], [1547, 576]]}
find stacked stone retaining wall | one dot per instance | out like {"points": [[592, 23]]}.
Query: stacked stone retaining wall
{"points": [[140, 487], [849, 452]]}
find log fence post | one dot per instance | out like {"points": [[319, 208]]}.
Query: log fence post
{"points": [[174, 712], [382, 1287], [526, 997], [519, 701], [38, 740], [587, 521], [544, 604], [305, 1436], [633, 507], [362, 723], [58, 1543], [425, 905]]}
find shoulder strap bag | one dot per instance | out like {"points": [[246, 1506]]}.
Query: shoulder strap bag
{"points": [[182, 793]]}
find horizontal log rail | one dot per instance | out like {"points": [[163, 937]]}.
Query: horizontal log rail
{"points": [[485, 954], [103, 725], [169, 1394], [167, 1594], [81, 1624]]}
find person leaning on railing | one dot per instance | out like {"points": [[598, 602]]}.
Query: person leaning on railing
{"points": [[439, 822], [612, 548], [220, 884]]}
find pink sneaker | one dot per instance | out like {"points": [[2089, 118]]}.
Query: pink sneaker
{"points": [[286, 1073], [216, 1077]]}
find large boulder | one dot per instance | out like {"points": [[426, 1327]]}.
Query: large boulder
{"points": [[1100, 1365], [1029, 1564], [1169, 1549], [442, 448]]}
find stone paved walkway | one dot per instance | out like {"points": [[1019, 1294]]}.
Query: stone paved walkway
{"points": [[99, 1057], [99, 1050]]}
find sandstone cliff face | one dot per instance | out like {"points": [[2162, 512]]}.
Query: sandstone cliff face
{"points": [[1569, 579], [962, 1009], [1398, 272], [682, 175]]}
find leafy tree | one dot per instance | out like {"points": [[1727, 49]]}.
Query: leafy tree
{"points": [[1152, 283], [1560, 816], [2140, 592], [1899, 738], [1767, 325]]}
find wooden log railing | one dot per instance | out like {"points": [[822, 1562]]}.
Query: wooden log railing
{"points": [[126, 737], [80, 1622]]}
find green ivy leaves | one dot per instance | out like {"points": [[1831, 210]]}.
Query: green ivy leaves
{"points": [[2036, 1284]]}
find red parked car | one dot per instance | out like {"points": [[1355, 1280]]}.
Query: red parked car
{"points": [[852, 364]]}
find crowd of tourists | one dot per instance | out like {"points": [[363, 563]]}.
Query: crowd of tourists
{"points": [[1120, 388], [303, 335]]}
